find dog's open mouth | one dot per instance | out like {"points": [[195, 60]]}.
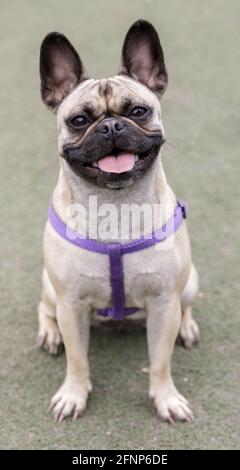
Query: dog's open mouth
{"points": [[117, 162], [117, 166]]}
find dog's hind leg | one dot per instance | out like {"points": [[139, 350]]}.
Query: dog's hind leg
{"points": [[49, 336], [189, 330]]}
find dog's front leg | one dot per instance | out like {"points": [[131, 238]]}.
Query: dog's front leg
{"points": [[163, 323], [71, 398]]}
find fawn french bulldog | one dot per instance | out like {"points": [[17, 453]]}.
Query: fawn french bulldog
{"points": [[110, 135]]}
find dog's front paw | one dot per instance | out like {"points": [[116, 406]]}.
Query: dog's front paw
{"points": [[70, 400], [189, 333], [170, 405]]}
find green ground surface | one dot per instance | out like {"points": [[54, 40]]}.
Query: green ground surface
{"points": [[201, 110]]}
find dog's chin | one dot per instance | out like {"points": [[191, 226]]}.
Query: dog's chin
{"points": [[118, 170]]}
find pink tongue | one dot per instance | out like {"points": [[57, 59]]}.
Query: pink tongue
{"points": [[123, 162]]}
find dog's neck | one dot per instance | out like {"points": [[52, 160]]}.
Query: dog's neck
{"points": [[150, 190]]}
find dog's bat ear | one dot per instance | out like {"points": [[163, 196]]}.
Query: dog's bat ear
{"points": [[60, 69], [142, 57]]}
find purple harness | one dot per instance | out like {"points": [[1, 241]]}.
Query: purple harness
{"points": [[115, 251]]}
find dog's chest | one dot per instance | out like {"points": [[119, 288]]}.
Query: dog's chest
{"points": [[145, 273]]}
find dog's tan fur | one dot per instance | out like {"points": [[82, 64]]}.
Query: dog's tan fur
{"points": [[163, 283]]}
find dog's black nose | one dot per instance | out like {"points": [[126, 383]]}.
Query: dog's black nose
{"points": [[111, 127]]}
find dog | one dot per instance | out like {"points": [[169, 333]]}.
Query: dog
{"points": [[110, 135]]}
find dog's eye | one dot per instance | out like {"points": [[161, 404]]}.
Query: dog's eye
{"points": [[139, 111], [78, 121]]}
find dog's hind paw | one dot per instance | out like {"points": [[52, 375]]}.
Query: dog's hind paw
{"points": [[49, 337], [189, 333]]}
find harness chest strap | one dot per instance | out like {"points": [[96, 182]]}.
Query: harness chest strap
{"points": [[115, 251]]}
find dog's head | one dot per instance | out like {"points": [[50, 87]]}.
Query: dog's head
{"points": [[110, 130]]}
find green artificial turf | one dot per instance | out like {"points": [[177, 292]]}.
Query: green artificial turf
{"points": [[201, 115]]}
